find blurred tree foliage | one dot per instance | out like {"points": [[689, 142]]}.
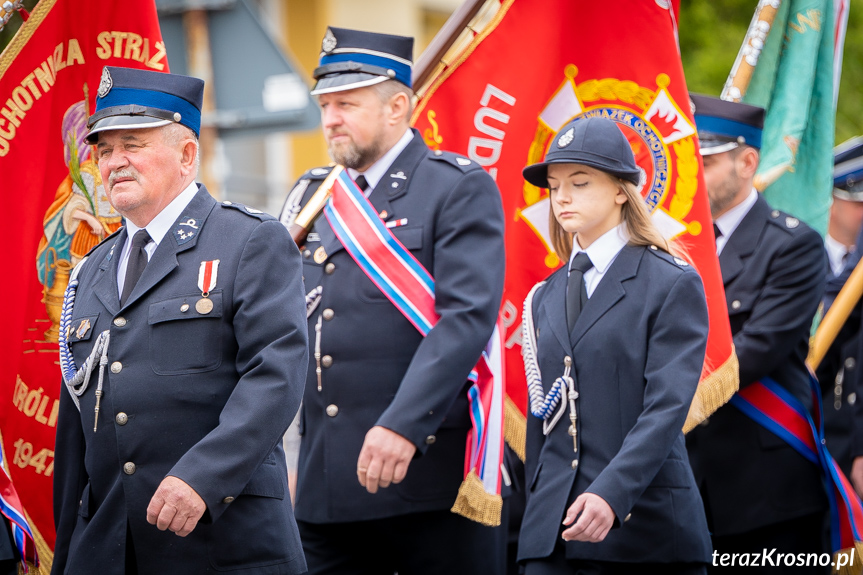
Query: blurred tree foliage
{"points": [[710, 37]]}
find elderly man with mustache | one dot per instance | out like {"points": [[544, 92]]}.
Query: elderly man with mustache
{"points": [[169, 459]]}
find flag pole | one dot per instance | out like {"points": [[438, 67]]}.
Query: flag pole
{"points": [[750, 51], [443, 41], [836, 317]]}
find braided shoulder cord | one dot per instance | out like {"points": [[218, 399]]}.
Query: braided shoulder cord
{"points": [[78, 380], [541, 405]]}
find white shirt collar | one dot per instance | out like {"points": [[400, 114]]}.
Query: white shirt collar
{"points": [[835, 252], [377, 170], [729, 221], [159, 226], [605, 248]]}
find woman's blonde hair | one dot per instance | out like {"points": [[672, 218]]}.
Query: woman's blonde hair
{"points": [[642, 230]]}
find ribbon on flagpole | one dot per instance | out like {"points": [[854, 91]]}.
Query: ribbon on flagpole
{"points": [[776, 409], [11, 508], [410, 287]]}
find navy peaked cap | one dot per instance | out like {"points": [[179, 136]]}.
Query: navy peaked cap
{"points": [[723, 125], [848, 170], [129, 98], [354, 58], [595, 142]]}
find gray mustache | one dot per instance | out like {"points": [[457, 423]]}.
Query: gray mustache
{"points": [[124, 173]]}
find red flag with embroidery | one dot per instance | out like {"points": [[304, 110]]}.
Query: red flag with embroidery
{"points": [[49, 77], [533, 67]]}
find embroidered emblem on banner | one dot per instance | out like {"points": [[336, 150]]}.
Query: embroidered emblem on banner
{"points": [[661, 136]]}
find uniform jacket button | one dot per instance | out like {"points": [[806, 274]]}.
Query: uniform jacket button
{"points": [[116, 367], [120, 321], [627, 518], [332, 410], [129, 468], [574, 463], [735, 304], [850, 363], [307, 254], [327, 361], [328, 314], [329, 268], [430, 439], [122, 418], [228, 499]]}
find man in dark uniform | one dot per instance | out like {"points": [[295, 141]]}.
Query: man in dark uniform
{"points": [[837, 372], [385, 411], [759, 493], [169, 459]]}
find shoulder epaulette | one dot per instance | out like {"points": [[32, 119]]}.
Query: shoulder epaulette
{"points": [[785, 221], [317, 173], [667, 257], [460, 162], [247, 210]]}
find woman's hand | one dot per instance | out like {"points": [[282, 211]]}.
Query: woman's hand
{"points": [[594, 522]]}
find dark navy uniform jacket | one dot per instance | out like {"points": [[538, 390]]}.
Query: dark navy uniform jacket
{"points": [[637, 350], [203, 397], [838, 376], [773, 268], [376, 368]]}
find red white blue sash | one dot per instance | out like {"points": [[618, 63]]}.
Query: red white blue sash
{"points": [[410, 287], [11, 508], [776, 409]]}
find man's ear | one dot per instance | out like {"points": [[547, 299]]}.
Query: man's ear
{"points": [[747, 162], [188, 153], [399, 107]]}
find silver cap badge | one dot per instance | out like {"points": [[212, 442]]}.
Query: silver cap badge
{"points": [[106, 83]]}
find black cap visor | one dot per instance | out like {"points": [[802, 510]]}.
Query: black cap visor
{"points": [[537, 174]]}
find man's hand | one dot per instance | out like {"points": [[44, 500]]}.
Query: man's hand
{"points": [[595, 521], [175, 506], [857, 475], [384, 458]]}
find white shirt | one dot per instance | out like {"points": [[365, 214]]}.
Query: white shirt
{"points": [[836, 253], [729, 221], [376, 171], [157, 229], [602, 254]]}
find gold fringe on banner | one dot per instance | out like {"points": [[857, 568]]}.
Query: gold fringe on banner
{"points": [[851, 566], [476, 504], [514, 427], [713, 392], [46, 554]]}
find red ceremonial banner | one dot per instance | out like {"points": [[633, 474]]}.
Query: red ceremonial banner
{"points": [[49, 76], [534, 67]]}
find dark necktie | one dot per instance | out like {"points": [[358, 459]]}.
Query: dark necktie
{"points": [[362, 183], [716, 231], [137, 263], [576, 292]]}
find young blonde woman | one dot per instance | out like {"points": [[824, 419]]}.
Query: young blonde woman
{"points": [[614, 344]]}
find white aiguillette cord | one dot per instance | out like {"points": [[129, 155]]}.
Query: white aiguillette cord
{"points": [[542, 405], [78, 380]]}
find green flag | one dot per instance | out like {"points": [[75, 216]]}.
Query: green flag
{"points": [[793, 81]]}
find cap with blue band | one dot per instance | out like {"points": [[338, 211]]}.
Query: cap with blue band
{"points": [[848, 170], [353, 59], [135, 99], [724, 126]]}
